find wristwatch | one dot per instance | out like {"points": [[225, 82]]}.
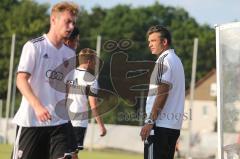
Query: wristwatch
{"points": [[149, 121]]}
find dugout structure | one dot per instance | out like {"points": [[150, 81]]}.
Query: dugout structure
{"points": [[228, 89]]}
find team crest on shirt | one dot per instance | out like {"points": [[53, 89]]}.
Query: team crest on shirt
{"points": [[20, 153], [45, 56]]}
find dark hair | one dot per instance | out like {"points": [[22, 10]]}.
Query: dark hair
{"points": [[164, 32], [74, 33]]}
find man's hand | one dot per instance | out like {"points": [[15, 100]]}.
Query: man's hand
{"points": [[103, 131], [145, 132], [42, 113]]}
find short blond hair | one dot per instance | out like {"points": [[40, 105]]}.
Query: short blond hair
{"points": [[65, 6], [86, 54]]}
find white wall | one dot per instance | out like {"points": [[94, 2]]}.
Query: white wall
{"points": [[10, 133], [118, 137], [203, 116]]}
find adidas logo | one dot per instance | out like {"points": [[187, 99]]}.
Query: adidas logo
{"points": [[45, 56]]}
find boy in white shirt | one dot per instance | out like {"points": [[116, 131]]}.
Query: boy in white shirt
{"points": [[85, 96]]}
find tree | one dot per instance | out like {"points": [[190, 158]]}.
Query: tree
{"points": [[124, 22], [26, 19]]}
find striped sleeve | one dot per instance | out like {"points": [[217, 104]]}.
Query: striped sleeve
{"points": [[163, 71]]}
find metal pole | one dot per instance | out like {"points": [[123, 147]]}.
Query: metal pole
{"points": [[13, 94], [141, 110], [1, 121], [98, 50], [9, 85], [1, 108], [192, 88], [219, 95]]}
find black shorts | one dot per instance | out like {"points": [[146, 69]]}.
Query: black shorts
{"points": [[80, 135], [51, 142], [162, 144]]}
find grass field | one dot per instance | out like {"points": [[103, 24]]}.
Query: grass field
{"points": [[5, 153]]}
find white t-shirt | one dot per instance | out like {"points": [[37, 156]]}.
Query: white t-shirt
{"points": [[168, 69], [82, 85], [40, 59]]}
